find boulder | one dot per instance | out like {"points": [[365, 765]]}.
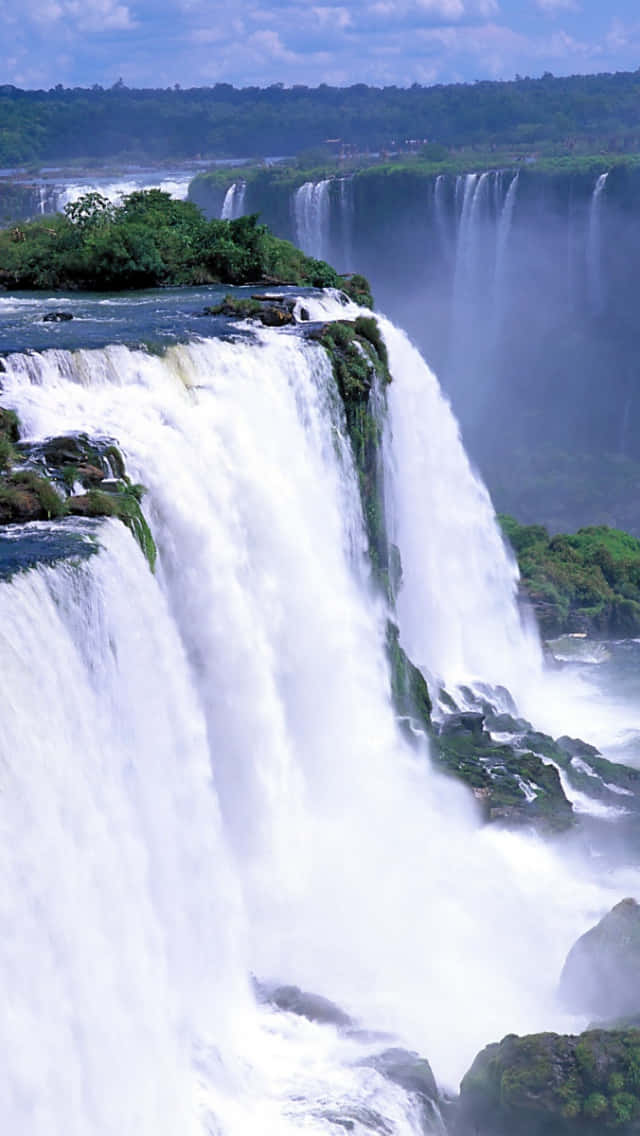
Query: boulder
{"points": [[311, 1006], [602, 973], [407, 1069], [57, 317], [553, 1085]]}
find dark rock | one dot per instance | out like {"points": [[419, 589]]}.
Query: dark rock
{"points": [[57, 317], [575, 747], [507, 724], [407, 1069], [552, 1085], [272, 316], [602, 973], [311, 1006], [303, 314], [463, 722]]}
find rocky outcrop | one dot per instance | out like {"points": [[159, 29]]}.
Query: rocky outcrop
{"points": [[602, 973], [553, 1085], [70, 475]]}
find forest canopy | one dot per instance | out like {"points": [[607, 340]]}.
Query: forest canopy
{"points": [[68, 124]]}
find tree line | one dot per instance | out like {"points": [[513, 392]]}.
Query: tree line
{"points": [[64, 124]]}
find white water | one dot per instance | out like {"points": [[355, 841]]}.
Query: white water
{"points": [[505, 223], [218, 784], [114, 189], [311, 217], [594, 247], [233, 204]]}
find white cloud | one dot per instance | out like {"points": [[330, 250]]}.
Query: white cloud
{"points": [[558, 5]]}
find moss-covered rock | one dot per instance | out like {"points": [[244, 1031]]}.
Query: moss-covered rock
{"points": [[358, 289], [409, 690], [602, 973], [553, 1085], [513, 785], [358, 357], [44, 484]]}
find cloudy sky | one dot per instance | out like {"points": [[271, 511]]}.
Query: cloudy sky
{"points": [[199, 42]]}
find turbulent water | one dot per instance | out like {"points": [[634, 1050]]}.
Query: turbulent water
{"points": [[202, 776]]}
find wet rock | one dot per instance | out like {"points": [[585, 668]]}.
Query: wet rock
{"points": [[407, 1069], [311, 1006], [272, 316], [57, 317], [506, 724], [463, 722], [575, 747], [602, 973], [553, 1085]]}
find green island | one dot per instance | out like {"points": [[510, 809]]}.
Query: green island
{"points": [[585, 582], [149, 241]]}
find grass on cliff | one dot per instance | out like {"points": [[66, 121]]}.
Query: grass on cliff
{"points": [[149, 241]]}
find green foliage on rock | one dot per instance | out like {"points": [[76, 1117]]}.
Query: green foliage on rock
{"points": [[357, 362], [586, 581], [150, 240], [43, 485], [553, 1085]]}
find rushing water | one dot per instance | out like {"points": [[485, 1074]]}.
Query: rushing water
{"points": [[202, 777]]}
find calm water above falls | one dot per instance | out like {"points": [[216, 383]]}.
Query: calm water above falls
{"points": [[218, 787]]}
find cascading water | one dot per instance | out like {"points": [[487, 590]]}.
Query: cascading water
{"points": [[311, 217], [505, 222], [594, 247], [233, 204], [315, 853], [114, 189]]}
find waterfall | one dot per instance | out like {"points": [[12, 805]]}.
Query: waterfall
{"points": [[503, 232], [311, 217], [114, 189], [457, 606], [594, 247], [233, 204], [219, 786], [347, 211], [440, 216]]}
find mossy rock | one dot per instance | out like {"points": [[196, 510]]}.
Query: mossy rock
{"points": [[554, 1085], [409, 690], [358, 289], [514, 787]]}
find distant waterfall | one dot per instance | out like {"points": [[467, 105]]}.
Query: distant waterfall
{"points": [[594, 247], [505, 221], [442, 224], [233, 204], [345, 257], [311, 217]]}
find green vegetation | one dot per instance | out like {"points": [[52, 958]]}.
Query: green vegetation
{"points": [[556, 1085], [579, 113], [357, 361], [149, 241], [42, 488], [588, 581]]}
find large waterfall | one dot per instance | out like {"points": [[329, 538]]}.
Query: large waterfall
{"points": [[202, 775]]}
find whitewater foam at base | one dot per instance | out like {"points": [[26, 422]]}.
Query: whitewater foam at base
{"points": [[217, 785]]}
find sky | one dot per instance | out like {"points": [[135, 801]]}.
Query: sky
{"points": [[158, 43]]}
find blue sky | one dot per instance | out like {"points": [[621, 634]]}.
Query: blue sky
{"points": [[201, 42]]}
